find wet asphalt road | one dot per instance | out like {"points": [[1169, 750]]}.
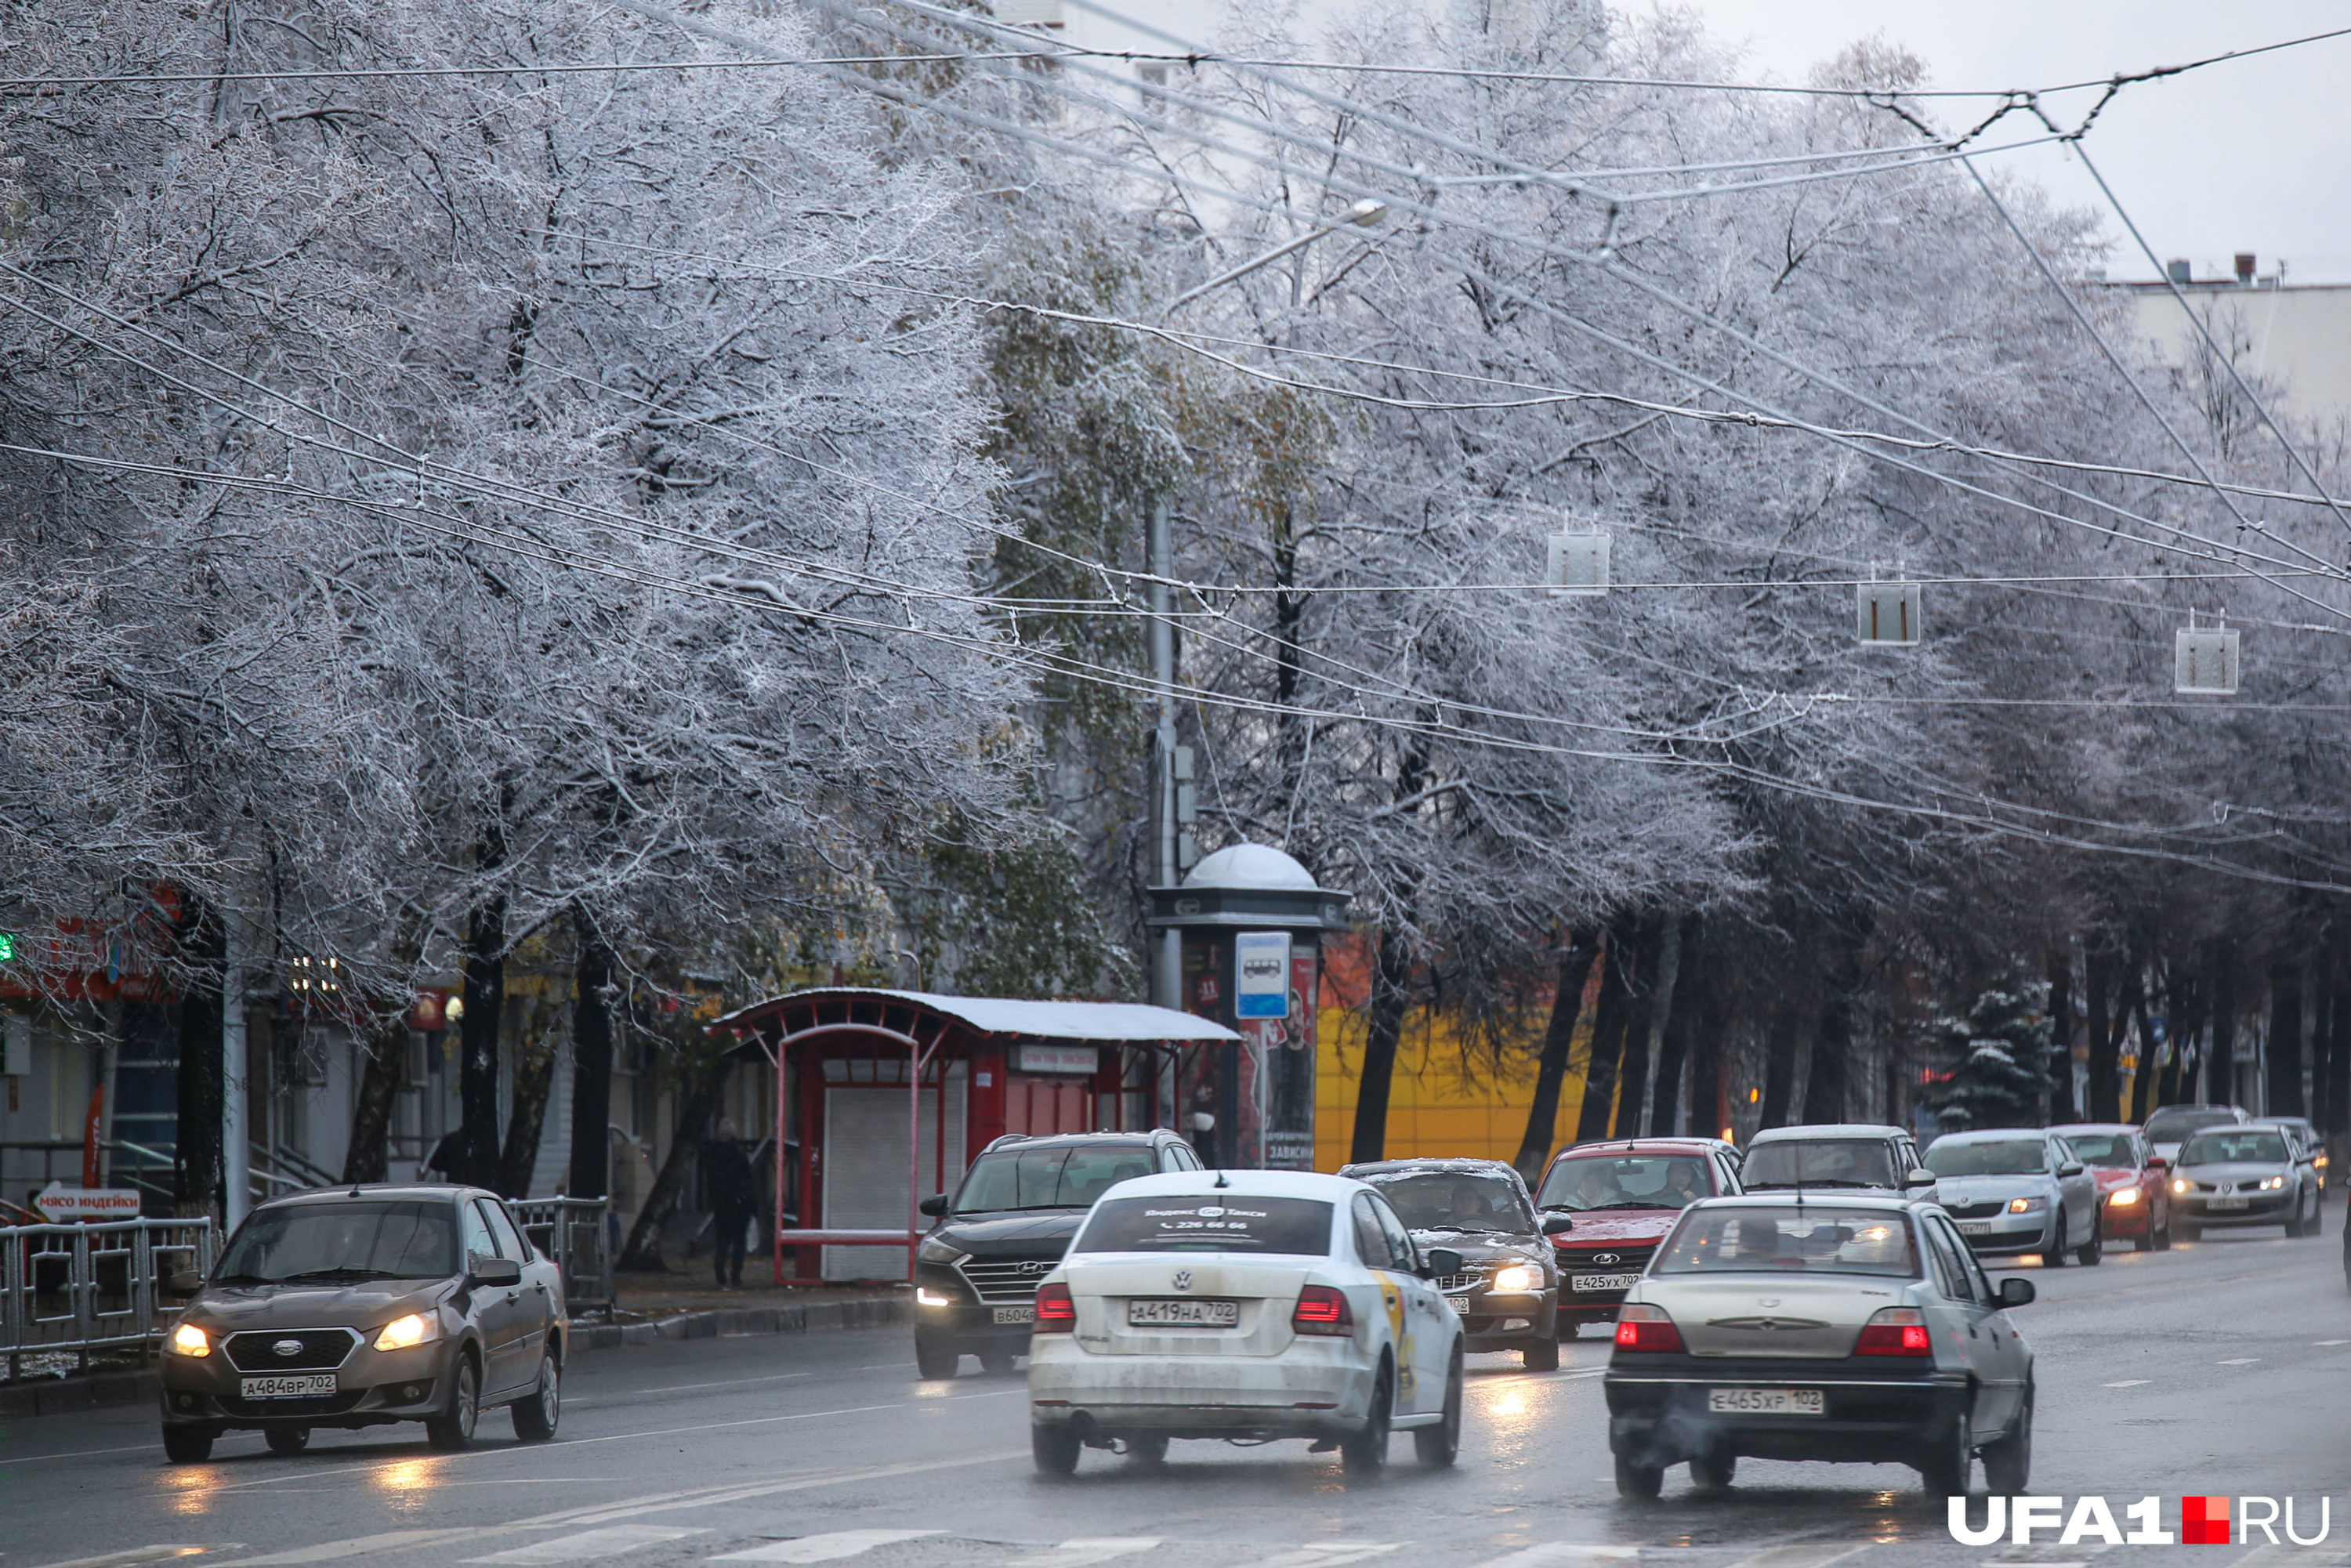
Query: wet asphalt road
{"points": [[2219, 1368]]}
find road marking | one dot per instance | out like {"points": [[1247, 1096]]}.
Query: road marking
{"points": [[1326, 1554], [142, 1555], [1804, 1554], [705, 1497], [829, 1548], [2237, 1361], [690, 1387], [1555, 1551], [2333, 1342], [591, 1544], [1085, 1549], [2128, 1382], [356, 1546]]}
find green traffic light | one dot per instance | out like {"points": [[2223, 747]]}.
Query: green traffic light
{"points": [[7, 946]]}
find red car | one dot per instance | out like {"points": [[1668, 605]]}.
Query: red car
{"points": [[1624, 1194], [2133, 1200]]}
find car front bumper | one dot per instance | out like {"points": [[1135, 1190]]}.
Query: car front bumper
{"points": [[2261, 1208], [1660, 1415], [1313, 1389], [2010, 1235], [2132, 1219], [371, 1388], [1496, 1322]]}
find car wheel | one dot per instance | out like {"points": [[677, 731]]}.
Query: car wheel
{"points": [[1543, 1355], [1055, 1450], [1440, 1445], [1640, 1481], [936, 1357], [995, 1362], [453, 1428], [1944, 1472], [1713, 1471], [2054, 1256], [1147, 1448], [2008, 1464], [188, 1445], [535, 1417], [1366, 1453], [2093, 1250], [287, 1440]]}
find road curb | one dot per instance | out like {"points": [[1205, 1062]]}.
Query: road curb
{"points": [[108, 1390]]}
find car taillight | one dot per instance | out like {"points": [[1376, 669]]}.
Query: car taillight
{"points": [[1056, 1313], [1322, 1309], [1642, 1327], [1895, 1330]]}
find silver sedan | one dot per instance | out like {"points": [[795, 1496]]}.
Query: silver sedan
{"points": [[2242, 1176]]}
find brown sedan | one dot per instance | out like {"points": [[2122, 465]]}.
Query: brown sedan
{"points": [[365, 1305]]}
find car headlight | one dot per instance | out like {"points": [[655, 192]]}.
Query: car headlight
{"points": [[926, 1297], [2273, 1183], [933, 1250], [2027, 1205], [190, 1340], [416, 1328], [1518, 1278], [2122, 1198], [2179, 1185]]}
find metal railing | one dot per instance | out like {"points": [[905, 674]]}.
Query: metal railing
{"points": [[80, 1288], [575, 1233]]}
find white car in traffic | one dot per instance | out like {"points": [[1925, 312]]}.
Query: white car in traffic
{"points": [[1245, 1305]]}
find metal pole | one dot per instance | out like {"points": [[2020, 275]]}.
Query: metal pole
{"points": [[1167, 968], [236, 1149]]}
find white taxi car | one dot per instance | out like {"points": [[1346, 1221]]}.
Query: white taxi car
{"points": [[1245, 1306]]}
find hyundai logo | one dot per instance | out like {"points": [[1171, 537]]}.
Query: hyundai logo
{"points": [[1604, 1257], [1036, 1266], [286, 1347], [1182, 1279]]}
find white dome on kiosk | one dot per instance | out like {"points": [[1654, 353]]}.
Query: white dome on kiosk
{"points": [[1250, 866]]}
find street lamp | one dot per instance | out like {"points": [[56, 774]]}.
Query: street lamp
{"points": [[1366, 213]]}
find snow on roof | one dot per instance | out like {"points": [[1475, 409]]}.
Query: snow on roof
{"points": [[1245, 866], [1039, 1020]]}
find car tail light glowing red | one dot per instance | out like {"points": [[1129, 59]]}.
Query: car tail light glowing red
{"points": [[1895, 1330], [1322, 1309], [1640, 1327], [1056, 1313]]}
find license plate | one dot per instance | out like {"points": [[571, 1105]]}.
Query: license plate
{"points": [[1975, 1227], [1766, 1402], [2217, 1204], [1603, 1282], [1015, 1314], [1460, 1304], [309, 1387], [1166, 1314]]}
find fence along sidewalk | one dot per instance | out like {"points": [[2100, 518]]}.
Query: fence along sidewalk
{"points": [[81, 1288]]}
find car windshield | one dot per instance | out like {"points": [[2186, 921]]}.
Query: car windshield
{"points": [[2173, 1125], [1821, 1161], [1435, 1200], [1814, 1238], [1218, 1222], [1993, 1156], [1625, 1181], [2101, 1149], [327, 1241], [2246, 1146], [1069, 1176]]}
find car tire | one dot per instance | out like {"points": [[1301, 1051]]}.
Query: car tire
{"points": [[1640, 1482], [936, 1358], [536, 1417], [1543, 1355], [1055, 1450], [2053, 1257], [1944, 1473], [453, 1430], [1366, 1453], [287, 1440], [995, 1361], [2093, 1251], [188, 1445], [2008, 1464], [1713, 1471], [1147, 1448], [1440, 1445]]}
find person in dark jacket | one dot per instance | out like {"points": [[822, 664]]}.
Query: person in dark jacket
{"points": [[734, 1198]]}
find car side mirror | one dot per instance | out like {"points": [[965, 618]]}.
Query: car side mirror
{"points": [[186, 1283], [492, 1272], [1919, 1177], [2070, 1168], [2016, 1293], [1557, 1225], [1439, 1262], [934, 1207]]}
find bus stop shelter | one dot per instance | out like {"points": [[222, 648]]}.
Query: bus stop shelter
{"points": [[883, 1096]]}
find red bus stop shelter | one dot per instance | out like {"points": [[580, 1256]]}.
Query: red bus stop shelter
{"points": [[889, 1095]]}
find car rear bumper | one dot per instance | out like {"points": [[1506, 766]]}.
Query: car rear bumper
{"points": [[1310, 1389], [1662, 1416]]}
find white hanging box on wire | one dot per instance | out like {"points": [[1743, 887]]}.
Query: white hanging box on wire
{"points": [[1579, 564], [1887, 614], [2204, 662]]}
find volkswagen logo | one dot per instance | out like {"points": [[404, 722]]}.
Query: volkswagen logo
{"points": [[1036, 1266], [1767, 1301], [1603, 1258], [1182, 1281], [286, 1347]]}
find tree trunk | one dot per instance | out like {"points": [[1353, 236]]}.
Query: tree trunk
{"points": [[2143, 1082], [592, 1063], [1607, 1033], [196, 1145], [534, 1077], [368, 1157], [2221, 989], [2337, 1104], [2105, 1026], [1640, 1017], [1709, 1115], [1825, 1085], [705, 1082], [2186, 1027], [1780, 1065], [477, 1033], [1673, 1045], [2060, 967], [1391, 992], [1559, 1039], [2284, 1050]]}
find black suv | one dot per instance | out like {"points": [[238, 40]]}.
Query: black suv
{"points": [[975, 1274]]}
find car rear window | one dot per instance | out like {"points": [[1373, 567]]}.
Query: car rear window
{"points": [[1813, 1238], [2250, 1145], [346, 1240], [1223, 1222]]}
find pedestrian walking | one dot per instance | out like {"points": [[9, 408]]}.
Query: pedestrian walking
{"points": [[734, 1196]]}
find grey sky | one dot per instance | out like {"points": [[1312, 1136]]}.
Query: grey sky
{"points": [[2252, 155]]}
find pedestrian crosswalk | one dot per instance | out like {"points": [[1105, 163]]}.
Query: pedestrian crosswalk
{"points": [[592, 1545], [827, 1548]]}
